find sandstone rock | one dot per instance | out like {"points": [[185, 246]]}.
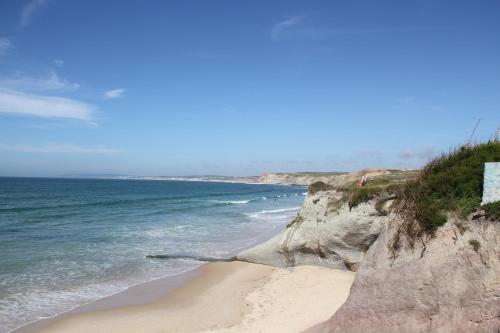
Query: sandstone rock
{"points": [[446, 287], [324, 233]]}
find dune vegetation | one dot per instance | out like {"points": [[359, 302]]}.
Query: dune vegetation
{"points": [[450, 183]]}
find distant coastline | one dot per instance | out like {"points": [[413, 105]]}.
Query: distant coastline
{"points": [[283, 178]]}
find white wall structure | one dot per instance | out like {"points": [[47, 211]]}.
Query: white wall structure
{"points": [[491, 185]]}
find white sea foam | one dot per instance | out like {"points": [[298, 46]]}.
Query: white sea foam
{"points": [[233, 202], [267, 212], [274, 211]]}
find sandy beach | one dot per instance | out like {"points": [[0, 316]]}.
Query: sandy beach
{"points": [[227, 297]]}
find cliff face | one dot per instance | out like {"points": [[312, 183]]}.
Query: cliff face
{"points": [[296, 178], [332, 178], [446, 283], [453, 285], [324, 233]]}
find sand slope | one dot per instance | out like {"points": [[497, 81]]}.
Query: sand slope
{"points": [[228, 297], [294, 299]]}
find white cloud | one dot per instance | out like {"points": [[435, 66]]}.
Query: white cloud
{"points": [[294, 28], [19, 103], [5, 45], [280, 27], [115, 93], [59, 148], [58, 62], [51, 82], [29, 9]]}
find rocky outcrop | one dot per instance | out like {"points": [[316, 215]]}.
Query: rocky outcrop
{"points": [[325, 232], [450, 283]]}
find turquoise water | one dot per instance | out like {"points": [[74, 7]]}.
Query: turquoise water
{"points": [[66, 242]]}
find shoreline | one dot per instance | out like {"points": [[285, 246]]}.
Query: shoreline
{"points": [[143, 292], [138, 294], [222, 296]]}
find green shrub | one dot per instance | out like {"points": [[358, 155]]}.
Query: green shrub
{"points": [[363, 194], [315, 201], [467, 205], [475, 244], [369, 192], [492, 211], [451, 182], [319, 186], [360, 195]]}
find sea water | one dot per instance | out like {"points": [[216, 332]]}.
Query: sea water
{"points": [[67, 242]]}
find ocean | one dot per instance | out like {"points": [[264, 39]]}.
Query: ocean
{"points": [[68, 242]]}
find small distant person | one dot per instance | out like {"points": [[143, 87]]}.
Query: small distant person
{"points": [[363, 181]]}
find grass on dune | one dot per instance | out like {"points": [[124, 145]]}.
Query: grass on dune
{"points": [[452, 182]]}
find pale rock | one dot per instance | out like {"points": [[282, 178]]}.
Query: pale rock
{"points": [[324, 233], [445, 287]]}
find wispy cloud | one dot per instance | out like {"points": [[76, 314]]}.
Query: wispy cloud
{"points": [[50, 82], [414, 104], [115, 93], [29, 9], [59, 148], [296, 27], [19, 103], [293, 27], [58, 62], [282, 26], [5, 45]]}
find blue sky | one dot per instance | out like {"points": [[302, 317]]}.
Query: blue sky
{"points": [[240, 88]]}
